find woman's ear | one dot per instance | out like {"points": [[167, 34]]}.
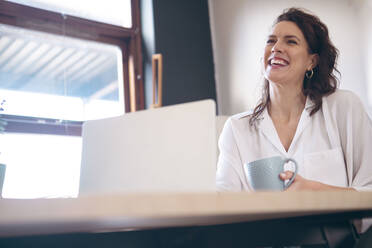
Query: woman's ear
{"points": [[314, 61]]}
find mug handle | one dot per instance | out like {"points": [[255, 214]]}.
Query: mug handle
{"points": [[294, 173]]}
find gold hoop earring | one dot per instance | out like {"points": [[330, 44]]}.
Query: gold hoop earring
{"points": [[309, 74]]}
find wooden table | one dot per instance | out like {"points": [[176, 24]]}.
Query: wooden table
{"points": [[152, 211]]}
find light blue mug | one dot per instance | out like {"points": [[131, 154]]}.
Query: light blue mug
{"points": [[263, 174]]}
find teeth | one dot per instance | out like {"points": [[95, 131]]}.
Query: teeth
{"points": [[278, 61]]}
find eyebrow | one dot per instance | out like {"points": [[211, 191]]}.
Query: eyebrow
{"points": [[286, 37]]}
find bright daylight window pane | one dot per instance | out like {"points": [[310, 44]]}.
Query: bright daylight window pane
{"points": [[115, 12], [50, 76], [41, 165]]}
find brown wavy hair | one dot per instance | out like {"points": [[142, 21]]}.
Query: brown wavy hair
{"points": [[324, 81]]}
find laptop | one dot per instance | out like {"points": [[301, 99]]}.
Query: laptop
{"points": [[168, 149]]}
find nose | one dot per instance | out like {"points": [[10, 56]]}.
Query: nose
{"points": [[277, 47]]}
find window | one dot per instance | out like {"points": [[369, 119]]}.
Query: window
{"points": [[109, 11], [80, 80], [58, 70]]}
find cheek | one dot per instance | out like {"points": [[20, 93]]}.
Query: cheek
{"points": [[303, 58], [303, 65]]}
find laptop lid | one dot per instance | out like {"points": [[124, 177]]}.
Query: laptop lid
{"points": [[166, 149]]}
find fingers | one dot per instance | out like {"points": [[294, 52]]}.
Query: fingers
{"points": [[286, 175]]}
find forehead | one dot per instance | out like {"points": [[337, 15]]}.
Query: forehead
{"points": [[286, 28]]}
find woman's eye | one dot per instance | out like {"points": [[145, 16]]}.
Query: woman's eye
{"points": [[270, 41], [292, 42]]}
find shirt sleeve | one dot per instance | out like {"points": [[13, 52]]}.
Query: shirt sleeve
{"points": [[227, 176], [356, 140]]}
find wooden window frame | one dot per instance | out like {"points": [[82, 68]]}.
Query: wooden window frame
{"points": [[127, 39]]}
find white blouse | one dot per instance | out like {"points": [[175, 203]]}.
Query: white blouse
{"points": [[334, 146]]}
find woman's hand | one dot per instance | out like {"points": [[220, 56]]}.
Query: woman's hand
{"points": [[300, 183]]}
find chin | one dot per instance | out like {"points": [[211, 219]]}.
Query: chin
{"points": [[275, 80]]}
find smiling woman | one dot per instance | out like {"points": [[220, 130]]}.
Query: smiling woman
{"points": [[301, 115], [287, 56], [297, 41]]}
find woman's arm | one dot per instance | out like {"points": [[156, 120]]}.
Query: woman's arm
{"points": [[355, 130], [227, 176], [301, 183]]}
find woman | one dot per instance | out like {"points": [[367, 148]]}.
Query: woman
{"points": [[301, 115]]}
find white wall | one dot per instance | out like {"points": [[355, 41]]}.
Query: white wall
{"points": [[364, 10], [239, 29]]}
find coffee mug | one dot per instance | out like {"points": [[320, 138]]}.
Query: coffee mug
{"points": [[263, 174], [2, 177]]}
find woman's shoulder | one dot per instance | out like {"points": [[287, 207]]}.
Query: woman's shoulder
{"points": [[343, 99], [236, 119], [239, 121], [344, 105], [241, 115]]}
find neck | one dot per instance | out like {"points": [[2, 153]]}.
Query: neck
{"points": [[286, 103]]}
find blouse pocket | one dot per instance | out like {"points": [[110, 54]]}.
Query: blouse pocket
{"points": [[327, 167]]}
